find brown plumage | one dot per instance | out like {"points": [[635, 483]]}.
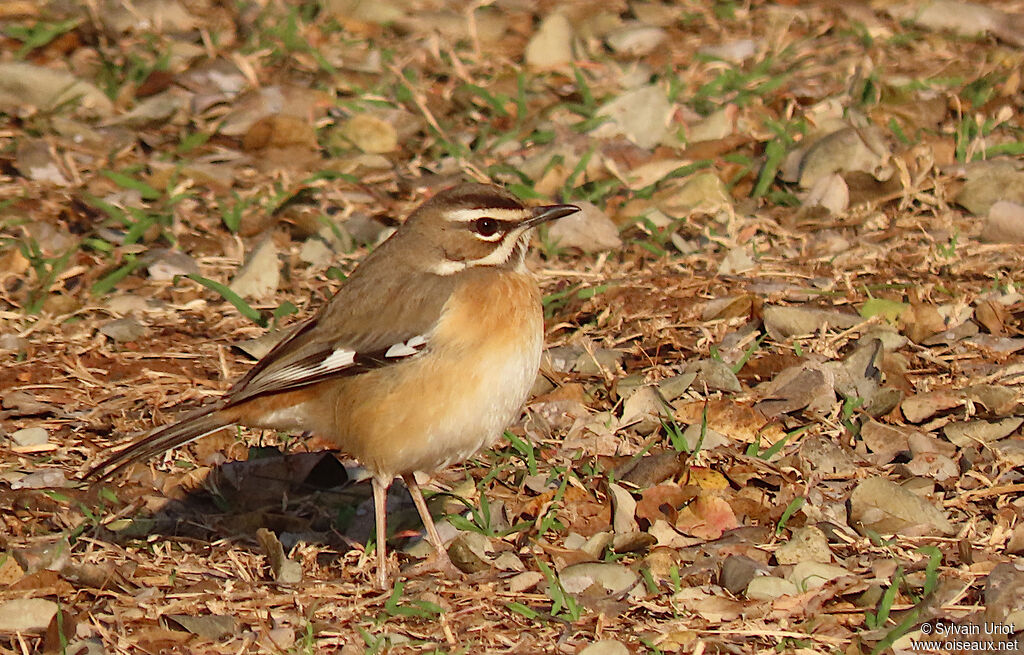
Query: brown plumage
{"points": [[420, 360]]}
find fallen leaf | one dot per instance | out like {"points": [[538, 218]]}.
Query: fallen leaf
{"points": [[707, 517]]}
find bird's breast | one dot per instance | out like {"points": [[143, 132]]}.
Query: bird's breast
{"points": [[459, 395]]}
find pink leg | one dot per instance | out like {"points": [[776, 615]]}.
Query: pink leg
{"points": [[380, 512], [442, 561]]}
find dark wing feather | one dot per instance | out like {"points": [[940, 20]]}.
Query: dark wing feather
{"points": [[366, 319]]}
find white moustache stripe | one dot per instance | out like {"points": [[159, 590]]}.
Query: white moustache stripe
{"points": [[501, 254]]}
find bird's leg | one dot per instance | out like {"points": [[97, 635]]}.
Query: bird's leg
{"points": [[442, 562], [380, 513]]}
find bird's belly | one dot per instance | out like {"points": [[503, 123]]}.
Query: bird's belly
{"points": [[431, 419], [441, 408]]}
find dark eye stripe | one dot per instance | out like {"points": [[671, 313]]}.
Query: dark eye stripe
{"points": [[503, 226]]}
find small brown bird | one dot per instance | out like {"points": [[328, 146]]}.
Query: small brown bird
{"points": [[422, 358]]}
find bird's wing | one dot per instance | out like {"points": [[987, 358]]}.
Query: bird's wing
{"points": [[392, 326]]}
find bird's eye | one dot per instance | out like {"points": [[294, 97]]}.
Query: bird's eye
{"points": [[485, 227]]}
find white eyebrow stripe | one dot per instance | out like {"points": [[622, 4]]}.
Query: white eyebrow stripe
{"points": [[501, 214]]}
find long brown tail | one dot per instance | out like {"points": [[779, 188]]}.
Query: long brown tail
{"points": [[196, 424]]}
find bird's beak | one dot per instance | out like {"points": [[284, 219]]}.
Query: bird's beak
{"points": [[549, 213]]}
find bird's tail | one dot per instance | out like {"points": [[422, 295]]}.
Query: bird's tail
{"points": [[196, 424]]}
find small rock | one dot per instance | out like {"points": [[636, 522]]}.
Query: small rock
{"points": [[590, 230], [641, 115], [990, 182], [1004, 594], [44, 554], [808, 544], [614, 578], [643, 410], [716, 374], [34, 159], [508, 561], [848, 149], [46, 479], [829, 192], [467, 552], [734, 51], [783, 322], [260, 276], [123, 330], [1004, 223], [633, 542], [167, 264], [768, 587], [24, 85], [674, 387], [207, 626], [596, 545], [636, 40], [822, 456], [980, 432], [701, 191], [551, 46], [370, 134], [605, 647], [882, 506], [697, 437], [366, 230], [624, 517], [738, 571], [885, 441], [811, 575], [922, 406], [31, 615], [597, 364], [524, 581], [30, 437], [13, 342], [285, 571]]}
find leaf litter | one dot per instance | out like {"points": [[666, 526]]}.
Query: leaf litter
{"points": [[781, 403]]}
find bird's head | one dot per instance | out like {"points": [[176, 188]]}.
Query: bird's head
{"points": [[476, 225]]}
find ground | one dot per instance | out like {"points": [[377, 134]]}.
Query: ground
{"points": [[780, 405]]}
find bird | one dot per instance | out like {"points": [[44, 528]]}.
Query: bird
{"points": [[420, 360]]}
